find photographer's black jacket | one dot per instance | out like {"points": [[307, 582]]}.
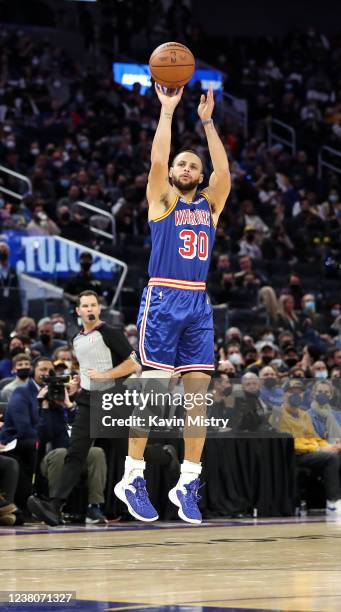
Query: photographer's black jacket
{"points": [[52, 426]]}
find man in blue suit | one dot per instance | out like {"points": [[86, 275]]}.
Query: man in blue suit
{"points": [[21, 421]]}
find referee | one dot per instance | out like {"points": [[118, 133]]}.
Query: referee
{"points": [[108, 349]]}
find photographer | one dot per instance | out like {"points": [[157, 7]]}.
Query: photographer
{"points": [[57, 413], [97, 344], [20, 423]]}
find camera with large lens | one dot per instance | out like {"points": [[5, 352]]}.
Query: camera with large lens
{"points": [[55, 385]]}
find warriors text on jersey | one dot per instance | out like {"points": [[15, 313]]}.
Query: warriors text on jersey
{"points": [[182, 241]]}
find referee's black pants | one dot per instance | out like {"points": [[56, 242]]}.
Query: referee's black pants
{"points": [[80, 444]]}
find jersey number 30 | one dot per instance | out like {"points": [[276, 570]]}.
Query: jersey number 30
{"points": [[194, 244]]}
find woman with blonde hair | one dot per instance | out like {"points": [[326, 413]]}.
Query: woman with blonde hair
{"points": [[287, 318], [26, 327], [326, 421], [267, 298]]}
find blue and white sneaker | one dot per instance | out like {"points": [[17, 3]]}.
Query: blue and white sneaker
{"points": [[135, 496], [186, 498]]}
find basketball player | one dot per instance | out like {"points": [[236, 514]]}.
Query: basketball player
{"points": [[175, 319]]}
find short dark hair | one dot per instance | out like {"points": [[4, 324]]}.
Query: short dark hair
{"points": [[38, 360], [189, 151], [86, 293]]}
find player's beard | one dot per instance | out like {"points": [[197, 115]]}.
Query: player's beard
{"points": [[188, 186]]}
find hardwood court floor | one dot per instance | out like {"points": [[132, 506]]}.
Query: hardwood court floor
{"points": [[276, 565]]}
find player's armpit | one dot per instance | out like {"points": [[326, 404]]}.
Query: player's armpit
{"points": [[158, 190]]}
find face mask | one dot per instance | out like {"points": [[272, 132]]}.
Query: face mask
{"points": [[59, 328], [268, 338], [333, 199], [15, 351], [65, 216], [32, 333], [270, 382], [2, 202], [57, 164], [235, 359], [321, 374], [266, 359], [252, 393], [335, 312], [291, 361], [322, 398], [10, 144], [35, 151], [80, 98], [295, 400], [84, 145], [3, 256], [86, 266], [65, 183], [39, 81], [309, 306], [23, 373], [44, 338], [57, 84]]}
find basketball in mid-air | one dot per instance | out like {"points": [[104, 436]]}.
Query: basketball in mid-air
{"points": [[172, 65]]}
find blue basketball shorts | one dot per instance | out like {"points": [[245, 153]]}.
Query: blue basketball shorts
{"points": [[176, 328]]}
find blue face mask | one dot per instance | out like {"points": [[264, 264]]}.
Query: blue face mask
{"points": [[310, 306], [322, 398], [322, 374], [295, 400]]}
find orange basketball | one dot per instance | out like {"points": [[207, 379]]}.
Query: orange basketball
{"points": [[172, 65]]}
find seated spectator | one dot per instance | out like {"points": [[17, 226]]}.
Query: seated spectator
{"points": [[54, 417], [249, 412], [21, 368], [266, 354], [26, 328], [248, 244], [46, 343], [21, 421], [309, 313], [15, 347], [326, 421], [9, 473], [311, 450], [41, 224], [271, 391]]}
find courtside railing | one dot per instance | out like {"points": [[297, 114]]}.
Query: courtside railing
{"points": [[282, 133], [98, 211], [18, 195], [328, 158]]}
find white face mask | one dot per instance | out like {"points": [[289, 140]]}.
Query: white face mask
{"points": [[268, 338], [59, 327], [235, 358], [323, 374]]}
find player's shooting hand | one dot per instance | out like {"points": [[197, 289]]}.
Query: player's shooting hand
{"points": [[169, 102], [206, 105]]}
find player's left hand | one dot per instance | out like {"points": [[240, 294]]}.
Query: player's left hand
{"points": [[95, 374], [206, 105]]}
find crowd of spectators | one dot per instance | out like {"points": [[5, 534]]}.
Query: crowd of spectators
{"points": [[275, 273]]}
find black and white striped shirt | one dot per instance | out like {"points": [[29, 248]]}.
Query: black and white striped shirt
{"points": [[102, 348]]}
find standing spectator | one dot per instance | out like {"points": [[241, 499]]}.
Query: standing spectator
{"points": [[84, 280], [10, 298]]}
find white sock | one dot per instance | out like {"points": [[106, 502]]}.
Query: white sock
{"points": [[188, 471], [133, 468]]}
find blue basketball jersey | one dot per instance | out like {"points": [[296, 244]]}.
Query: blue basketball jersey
{"points": [[182, 240]]}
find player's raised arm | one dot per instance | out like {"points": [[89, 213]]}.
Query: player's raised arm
{"points": [[220, 180], [158, 184]]}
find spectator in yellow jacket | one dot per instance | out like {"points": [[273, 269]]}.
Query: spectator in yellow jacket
{"points": [[312, 451]]}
